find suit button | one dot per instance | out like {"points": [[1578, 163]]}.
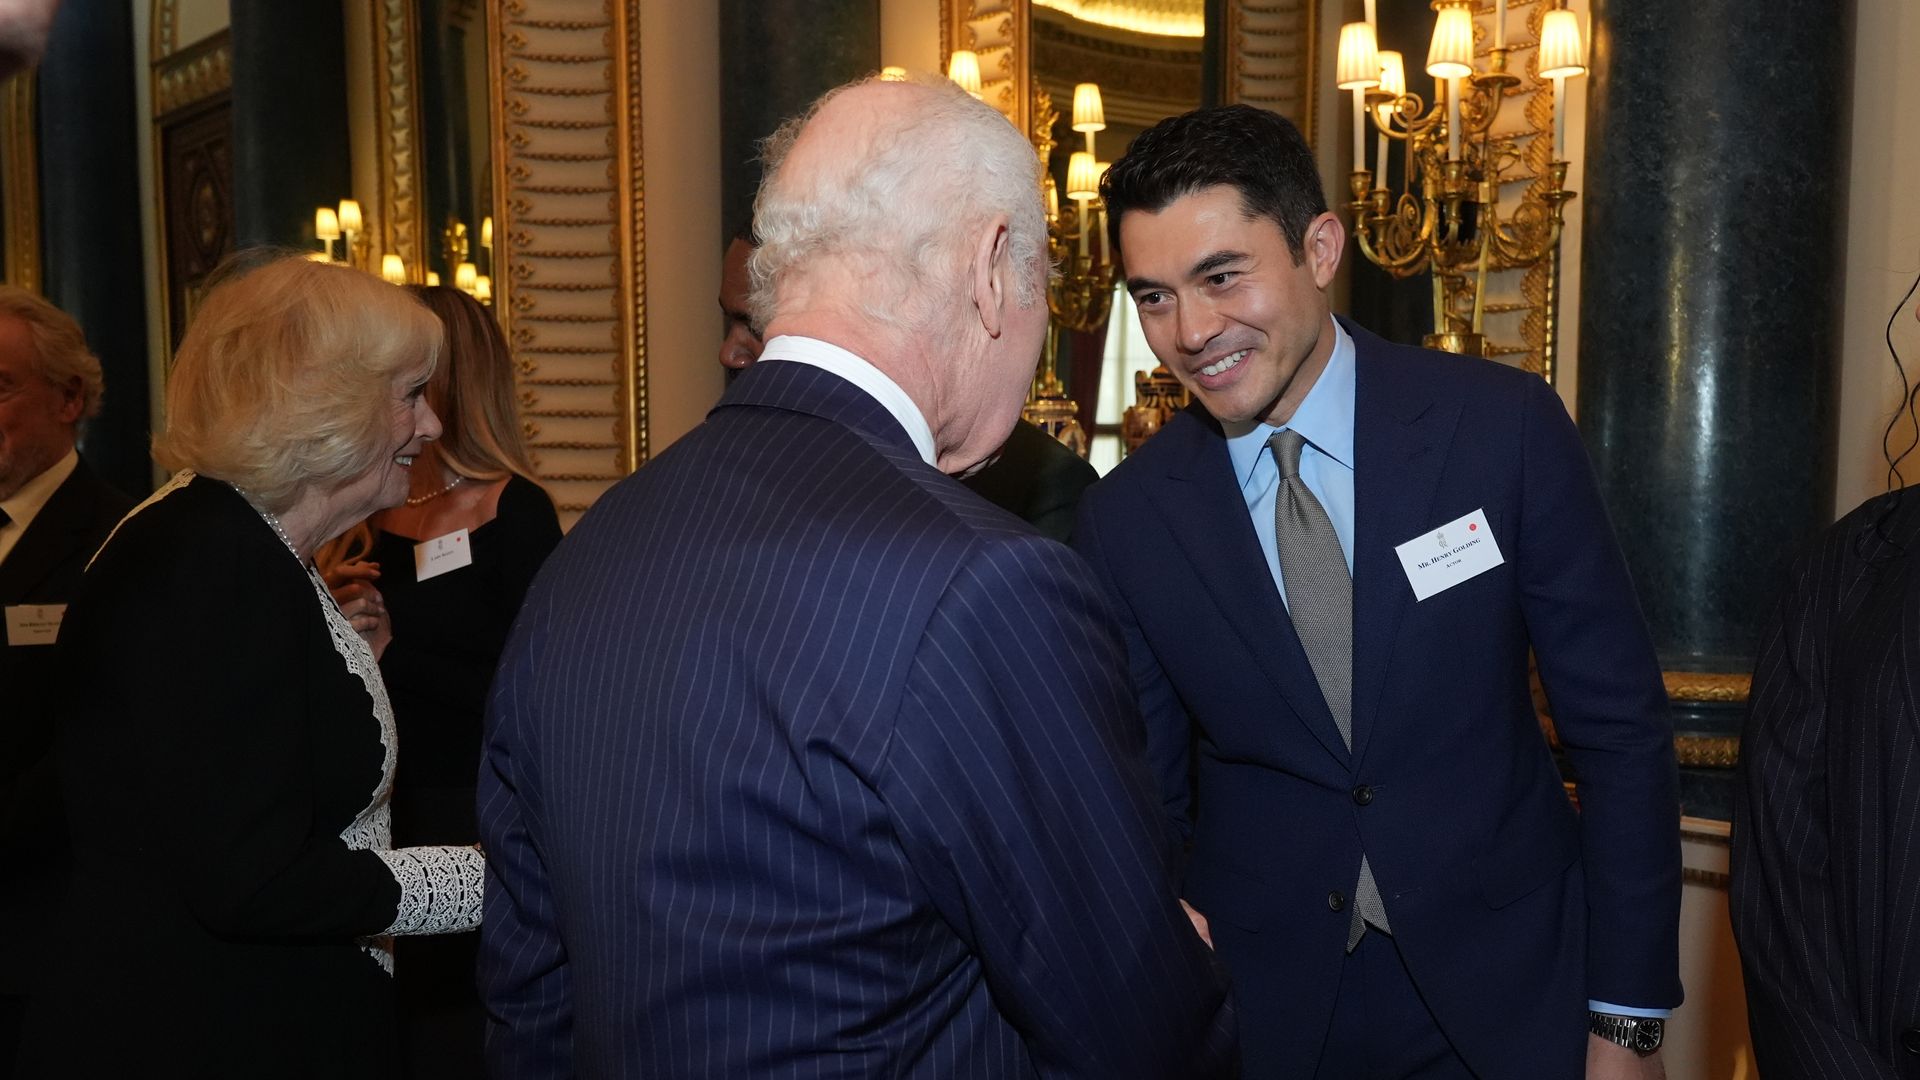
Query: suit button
{"points": [[1910, 1039], [1363, 795], [1335, 901]]}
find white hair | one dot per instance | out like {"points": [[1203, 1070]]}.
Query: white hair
{"points": [[896, 211]]}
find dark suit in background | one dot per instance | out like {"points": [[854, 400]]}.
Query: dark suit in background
{"points": [[44, 567], [1036, 479], [1826, 833], [1510, 910], [805, 761]]}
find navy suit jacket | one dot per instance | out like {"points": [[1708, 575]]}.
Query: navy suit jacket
{"points": [[1826, 816], [805, 761], [1511, 910]]}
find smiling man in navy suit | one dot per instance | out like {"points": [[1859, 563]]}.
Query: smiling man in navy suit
{"points": [[803, 759], [1331, 570]]}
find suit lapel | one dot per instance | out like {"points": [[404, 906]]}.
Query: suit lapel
{"points": [[47, 542], [1208, 519], [1402, 434]]}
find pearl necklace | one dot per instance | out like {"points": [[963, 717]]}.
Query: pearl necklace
{"points": [[272, 520], [418, 500]]}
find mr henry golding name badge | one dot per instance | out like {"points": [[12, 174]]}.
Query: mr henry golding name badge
{"points": [[1437, 561]]}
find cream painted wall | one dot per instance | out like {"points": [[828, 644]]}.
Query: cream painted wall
{"points": [[910, 34], [194, 20], [1882, 254], [680, 133]]}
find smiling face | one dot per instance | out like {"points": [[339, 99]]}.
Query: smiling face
{"points": [[37, 418], [1225, 306], [411, 424]]}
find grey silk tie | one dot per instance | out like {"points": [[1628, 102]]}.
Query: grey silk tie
{"points": [[1320, 603]]}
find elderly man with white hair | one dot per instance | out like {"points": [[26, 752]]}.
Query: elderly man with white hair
{"points": [[803, 759]]}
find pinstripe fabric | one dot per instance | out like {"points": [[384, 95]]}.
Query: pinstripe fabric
{"points": [[806, 762], [1826, 842]]}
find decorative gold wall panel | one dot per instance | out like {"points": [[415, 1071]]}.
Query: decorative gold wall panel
{"points": [[570, 281], [396, 79], [20, 182], [1271, 46]]}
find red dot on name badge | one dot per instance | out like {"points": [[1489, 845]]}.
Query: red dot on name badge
{"points": [[1473, 526]]}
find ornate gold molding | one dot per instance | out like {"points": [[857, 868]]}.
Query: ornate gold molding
{"points": [[165, 30], [20, 180], [1271, 57], [1703, 686], [570, 280], [190, 77], [1707, 751], [1001, 33], [396, 95]]}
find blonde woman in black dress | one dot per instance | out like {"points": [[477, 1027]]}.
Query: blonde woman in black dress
{"points": [[228, 750]]}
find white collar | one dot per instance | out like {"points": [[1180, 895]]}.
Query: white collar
{"points": [[861, 373]]}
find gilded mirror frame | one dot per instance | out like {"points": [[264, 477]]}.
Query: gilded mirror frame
{"points": [[1269, 58], [569, 251], [20, 180]]}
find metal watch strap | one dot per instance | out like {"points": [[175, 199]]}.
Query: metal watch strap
{"points": [[1640, 1034]]}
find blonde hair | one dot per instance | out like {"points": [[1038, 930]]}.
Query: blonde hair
{"points": [[473, 391], [60, 351], [284, 382]]}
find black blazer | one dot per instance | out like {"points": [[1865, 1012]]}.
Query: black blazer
{"points": [[1826, 816], [44, 567], [1036, 479], [212, 748]]}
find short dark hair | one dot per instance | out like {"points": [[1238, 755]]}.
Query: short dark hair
{"points": [[1259, 153]]}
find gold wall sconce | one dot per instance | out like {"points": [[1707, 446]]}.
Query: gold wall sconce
{"points": [[1447, 220]]}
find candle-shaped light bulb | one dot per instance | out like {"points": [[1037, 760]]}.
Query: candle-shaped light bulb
{"points": [[1500, 24], [393, 269], [964, 69], [465, 277], [1393, 80], [350, 220], [486, 232], [1559, 118], [1450, 53], [326, 224], [1453, 119]]}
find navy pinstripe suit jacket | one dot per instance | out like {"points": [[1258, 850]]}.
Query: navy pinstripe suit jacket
{"points": [[804, 761], [1826, 816]]}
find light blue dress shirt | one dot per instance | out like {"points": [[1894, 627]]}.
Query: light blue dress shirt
{"points": [[1325, 421]]}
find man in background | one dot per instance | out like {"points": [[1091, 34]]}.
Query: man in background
{"points": [[804, 761], [54, 514], [1034, 476]]}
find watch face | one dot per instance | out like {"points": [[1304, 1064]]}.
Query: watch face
{"points": [[1646, 1035]]}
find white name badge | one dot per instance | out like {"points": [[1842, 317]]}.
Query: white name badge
{"points": [[34, 624], [1439, 560], [434, 557]]}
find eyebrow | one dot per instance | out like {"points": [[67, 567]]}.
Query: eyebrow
{"points": [[1205, 266]]}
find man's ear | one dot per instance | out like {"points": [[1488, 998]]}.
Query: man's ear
{"points": [[73, 400], [992, 276], [1324, 242]]}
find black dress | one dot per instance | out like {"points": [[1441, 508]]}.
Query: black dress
{"points": [[448, 632], [225, 771]]}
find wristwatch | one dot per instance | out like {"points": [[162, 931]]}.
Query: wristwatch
{"points": [[1640, 1034]]}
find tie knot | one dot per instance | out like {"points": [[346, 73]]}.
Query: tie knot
{"points": [[1286, 450]]}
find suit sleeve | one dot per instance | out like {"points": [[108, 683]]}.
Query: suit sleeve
{"points": [[1610, 710], [1169, 732], [1018, 784], [525, 980], [1805, 1021], [216, 646]]}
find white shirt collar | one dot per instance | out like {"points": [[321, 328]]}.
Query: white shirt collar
{"points": [[871, 380], [25, 505]]}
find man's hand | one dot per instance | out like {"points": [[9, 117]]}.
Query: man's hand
{"points": [[1610, 1061], [1199, 923]]}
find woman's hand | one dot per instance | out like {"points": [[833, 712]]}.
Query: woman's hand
{"points": [[353, 589]]}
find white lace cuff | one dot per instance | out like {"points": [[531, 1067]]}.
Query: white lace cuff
{"points": [[439, 888]]}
